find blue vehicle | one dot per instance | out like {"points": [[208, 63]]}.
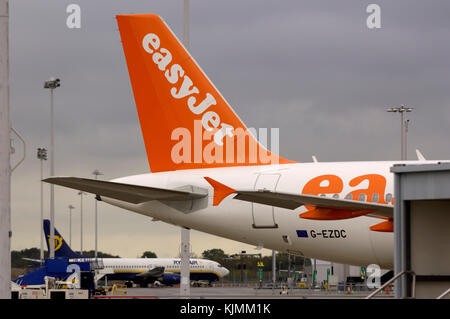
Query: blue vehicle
{"points": [[60, 269]]}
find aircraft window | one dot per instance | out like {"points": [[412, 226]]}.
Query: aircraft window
{"points": [[323, 195], [388, 197], [375, 198], [362, 197], [219, 265], [348, 196], [336, 196]]}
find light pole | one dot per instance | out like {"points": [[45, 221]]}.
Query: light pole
{"points": [[402, 109], [81, 221], [185, 232], [314, 273], [70, 224], [274, 267], [42, 156], [52, 84], [96, 173]]}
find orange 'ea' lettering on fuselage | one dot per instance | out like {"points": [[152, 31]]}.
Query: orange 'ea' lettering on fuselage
{"points": [[314, 187], [377, 186]]}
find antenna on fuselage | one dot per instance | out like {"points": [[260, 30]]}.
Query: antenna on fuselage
{"points": [[420, 156]]}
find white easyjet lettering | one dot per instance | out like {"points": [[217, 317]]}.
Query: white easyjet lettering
{"points": [[220, 134], [150, 39], [210, 117], [162, 58], [207, 102], [175, 72], [184, 89]]}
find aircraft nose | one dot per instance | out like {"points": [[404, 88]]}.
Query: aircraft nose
{"points": [[225, 272]]}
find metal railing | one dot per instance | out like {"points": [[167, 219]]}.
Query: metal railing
{"points": [[394, 279], [119, 290]]}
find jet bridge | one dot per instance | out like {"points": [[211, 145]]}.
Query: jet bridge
{"points": [[422, 230]]}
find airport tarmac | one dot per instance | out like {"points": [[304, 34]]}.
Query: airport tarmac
{"points": [[239, 292]]}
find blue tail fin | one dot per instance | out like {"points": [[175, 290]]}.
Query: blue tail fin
{"points": [[61, 247]]}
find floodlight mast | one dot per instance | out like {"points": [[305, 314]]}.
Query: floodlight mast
{"points": [[70, 224], [96, 173], [42, 156], [402, 109], [81, 221], [52, 84]]}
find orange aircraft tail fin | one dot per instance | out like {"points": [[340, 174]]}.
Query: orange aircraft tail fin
{"points": [[185, 121]]}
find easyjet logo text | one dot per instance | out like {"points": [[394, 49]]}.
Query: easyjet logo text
{"points": [[369, 187], [174, 74]]}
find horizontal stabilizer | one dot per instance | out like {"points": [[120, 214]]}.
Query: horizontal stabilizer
{"points": [[134, 194], [37, 261], [293, 201], [220, 190]]}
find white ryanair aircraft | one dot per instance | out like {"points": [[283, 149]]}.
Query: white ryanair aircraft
{"points": [[210, 174], [140, 270]]}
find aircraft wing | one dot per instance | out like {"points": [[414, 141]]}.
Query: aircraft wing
{"points": [[293, 201], [134, 194], [156, 273], [324, 208]]}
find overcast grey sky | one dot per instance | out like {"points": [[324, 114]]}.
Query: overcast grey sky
{"points": [[311, 68]]}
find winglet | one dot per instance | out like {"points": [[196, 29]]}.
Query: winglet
{"points": [[385, 227], [332, 214], [220, 190]]}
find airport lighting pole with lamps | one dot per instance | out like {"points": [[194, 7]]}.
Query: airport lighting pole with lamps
{"points": [[70, 224], [81, 221], [52, 84], [402, 109], [96, 173], [42, 156]]}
